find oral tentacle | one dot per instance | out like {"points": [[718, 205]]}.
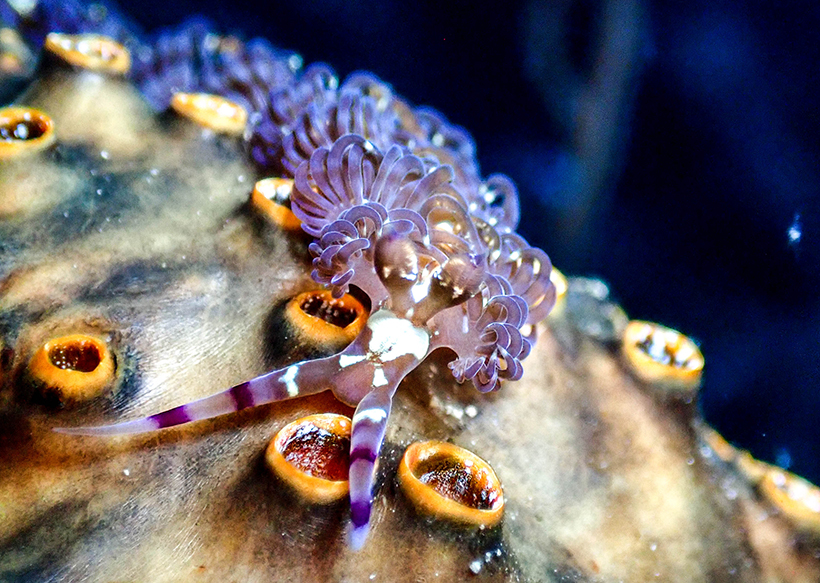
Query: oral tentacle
{"points": [[367, 436], [297, 380]]}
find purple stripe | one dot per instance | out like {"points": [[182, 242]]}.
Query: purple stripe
{"points": [[363, 453], [242, 396], [360, 513], [176, 416]]}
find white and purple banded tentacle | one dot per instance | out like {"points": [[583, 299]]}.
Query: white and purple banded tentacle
{"points": [[296, 380], [367, 436]]}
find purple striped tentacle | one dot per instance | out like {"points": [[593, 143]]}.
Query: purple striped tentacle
{"points": [[296, 380], [369, 425]]}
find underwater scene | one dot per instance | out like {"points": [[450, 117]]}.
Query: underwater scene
{"points": [[373, 291]]}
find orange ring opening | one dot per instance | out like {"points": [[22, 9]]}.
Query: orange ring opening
{"points": [[797, 498], [76, 367], [90, 51], [322, 319], [451, 483], [657, 354], [24, 130], [271, 197], [312, 455], [211, 111]]}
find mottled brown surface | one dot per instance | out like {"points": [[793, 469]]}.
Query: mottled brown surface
{"points": [[136, 229]]}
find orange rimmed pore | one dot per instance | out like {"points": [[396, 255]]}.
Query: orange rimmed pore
{"points": [[796, 498], [323, 319], [211, 111], [312, 456], [74, 368], [451, 483], [724, 450], [90, 51], [271, 197], [657, 354], [24, 130]]}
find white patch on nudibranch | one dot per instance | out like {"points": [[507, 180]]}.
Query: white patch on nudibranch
{"points": [[372, 415], [379, 380], [421, 290], [393, 337], [289, 378], [346, 360]]}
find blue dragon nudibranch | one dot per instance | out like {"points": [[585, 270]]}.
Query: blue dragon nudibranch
{"points": [[394, 201]]}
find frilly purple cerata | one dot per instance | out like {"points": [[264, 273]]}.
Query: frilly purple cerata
{"points": [[395, 203]]}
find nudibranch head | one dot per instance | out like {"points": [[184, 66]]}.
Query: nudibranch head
{"points": [[451, 483], [402, 232]]}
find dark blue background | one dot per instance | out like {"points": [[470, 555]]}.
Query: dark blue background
{"points": [[678, 181]]}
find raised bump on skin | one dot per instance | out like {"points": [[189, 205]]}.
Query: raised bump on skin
{"points": [[93, 52], [311, 455], [320, 319], [271, 198], [451, 483], [660, 355], [724, 450], [559, 280], [797, 499], [73, 368], [212, 112], [24, 130]]}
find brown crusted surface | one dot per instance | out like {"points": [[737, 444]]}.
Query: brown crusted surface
{"points": [[602, 482]]}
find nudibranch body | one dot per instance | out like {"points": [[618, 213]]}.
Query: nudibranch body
{"points": [[393, 199]]}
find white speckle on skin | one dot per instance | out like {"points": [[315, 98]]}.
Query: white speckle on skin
{"points": [[393, 337], [289, 378], [372, 415]]}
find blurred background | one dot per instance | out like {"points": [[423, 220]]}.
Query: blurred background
{"points": [[670, 148]]}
